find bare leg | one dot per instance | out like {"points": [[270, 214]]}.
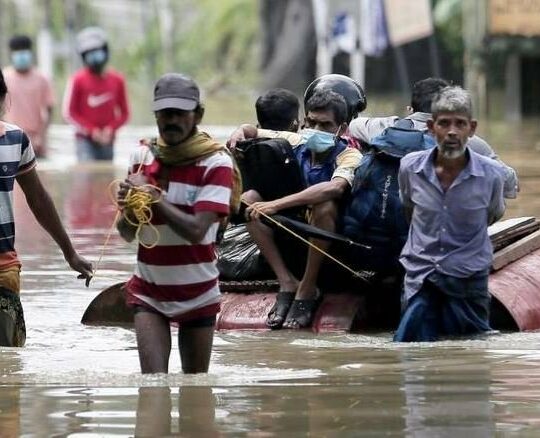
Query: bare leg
{"points": [[263, 236], [154, 412], [153, 341], [324, 216], [195, 345]]}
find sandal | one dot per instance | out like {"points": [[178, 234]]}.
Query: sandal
{"points": [[301, 313], [280, 309]]}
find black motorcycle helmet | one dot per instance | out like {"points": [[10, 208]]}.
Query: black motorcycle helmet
{"points": [[351, 91]]}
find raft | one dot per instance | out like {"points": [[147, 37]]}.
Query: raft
{"points": [[514, 284]]}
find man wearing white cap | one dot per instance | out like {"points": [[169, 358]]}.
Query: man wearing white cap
{"points": [[95, 100]]}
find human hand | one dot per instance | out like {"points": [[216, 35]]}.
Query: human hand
{"points": [[102, 137], [96, 136], [107, 134], [236, 136], [123, 189], [269, 208], [81, 265]]}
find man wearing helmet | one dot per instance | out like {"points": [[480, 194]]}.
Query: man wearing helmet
{"points": [[346, 87], [95, 100]]}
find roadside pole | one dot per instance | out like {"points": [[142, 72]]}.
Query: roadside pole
{"points": [[474, 63]]}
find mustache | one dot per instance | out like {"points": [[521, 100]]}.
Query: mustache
{"points": [[172, 128]]}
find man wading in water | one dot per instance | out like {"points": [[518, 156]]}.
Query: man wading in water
{"points": [[450, 195], [177, 280]]}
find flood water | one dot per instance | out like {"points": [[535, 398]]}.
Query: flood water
{"points": [[75, 380]]}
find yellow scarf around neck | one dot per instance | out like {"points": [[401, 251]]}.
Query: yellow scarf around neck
{"points": [[195, 148]]}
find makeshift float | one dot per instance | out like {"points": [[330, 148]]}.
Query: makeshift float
{"points": [[514, 285]]}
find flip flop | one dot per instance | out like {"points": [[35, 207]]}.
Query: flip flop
{"points": [[301, 313], [280, 309]]}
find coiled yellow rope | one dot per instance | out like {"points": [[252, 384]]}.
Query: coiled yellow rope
{"points": [[137, 209]]}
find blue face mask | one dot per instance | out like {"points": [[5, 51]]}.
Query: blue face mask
{"points": [[95, 58], [318, 141], [22, 59]]}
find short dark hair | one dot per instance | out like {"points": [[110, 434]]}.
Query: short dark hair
{"points": [[3, 87], [326, 100], [424, 91], [277, 109], [20, 42]]}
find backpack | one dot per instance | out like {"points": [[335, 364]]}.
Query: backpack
{"points": [[269, 166], [374, 213]]}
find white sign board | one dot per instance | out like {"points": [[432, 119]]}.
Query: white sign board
{"points": [[408, 20]]}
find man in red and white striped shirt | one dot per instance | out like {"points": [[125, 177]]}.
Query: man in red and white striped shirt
{"points": [[177, 279]]}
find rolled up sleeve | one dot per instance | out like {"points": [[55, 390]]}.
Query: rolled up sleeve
{"points": [[346, 164]]}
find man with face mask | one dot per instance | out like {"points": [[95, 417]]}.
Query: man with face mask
{"points": [[95, 100], [450, 195], [31, 98], [328, 166]]}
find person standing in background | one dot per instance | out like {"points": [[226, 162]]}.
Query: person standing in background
{"points": [[31, 97], [95, 101]]}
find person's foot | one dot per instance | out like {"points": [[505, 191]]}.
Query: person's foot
{"points": [[302, 312], [280, 309]]}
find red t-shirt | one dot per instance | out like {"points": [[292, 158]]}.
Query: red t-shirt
{"points": [[96, 101]]}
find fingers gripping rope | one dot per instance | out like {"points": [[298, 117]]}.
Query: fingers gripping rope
{"points": [[137, 210], [357, 274]]}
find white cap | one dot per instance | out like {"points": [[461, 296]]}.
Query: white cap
{"points": [[91, 38]]}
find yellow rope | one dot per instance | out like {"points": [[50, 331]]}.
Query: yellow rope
{"points": [[138, 201], [357, 274]]}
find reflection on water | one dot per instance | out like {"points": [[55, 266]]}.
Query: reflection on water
{"points": [[72, 380]]}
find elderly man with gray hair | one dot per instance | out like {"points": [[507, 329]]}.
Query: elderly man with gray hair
{"points": [[450, 195]]}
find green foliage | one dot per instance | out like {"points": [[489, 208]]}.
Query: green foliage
{"points": [[218, 46], [449, 25]]}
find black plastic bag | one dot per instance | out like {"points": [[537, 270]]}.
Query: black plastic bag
{"points": [[239, 257]]}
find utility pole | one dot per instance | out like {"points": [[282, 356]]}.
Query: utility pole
{"points": [[474, 62]]}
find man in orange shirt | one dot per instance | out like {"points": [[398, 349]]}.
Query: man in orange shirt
{"points": [[31, 98]]}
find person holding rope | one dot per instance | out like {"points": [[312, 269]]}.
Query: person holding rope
{"points": [[328, 167], [191, 185], [18, 163]]}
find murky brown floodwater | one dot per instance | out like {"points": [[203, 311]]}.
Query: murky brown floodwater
{"points": [[73, 380]]}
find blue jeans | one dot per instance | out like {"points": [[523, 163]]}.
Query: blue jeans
{"points": [[88, 150], [446, 306]]}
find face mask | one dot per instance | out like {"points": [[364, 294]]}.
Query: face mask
{"points": [[21, 59], [95, 58], [318, 141]]}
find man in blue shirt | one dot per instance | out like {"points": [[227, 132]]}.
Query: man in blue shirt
{"points": [[450, 195]]}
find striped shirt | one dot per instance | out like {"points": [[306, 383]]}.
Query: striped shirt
{"points": [[179, 278], [16, 158]]}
